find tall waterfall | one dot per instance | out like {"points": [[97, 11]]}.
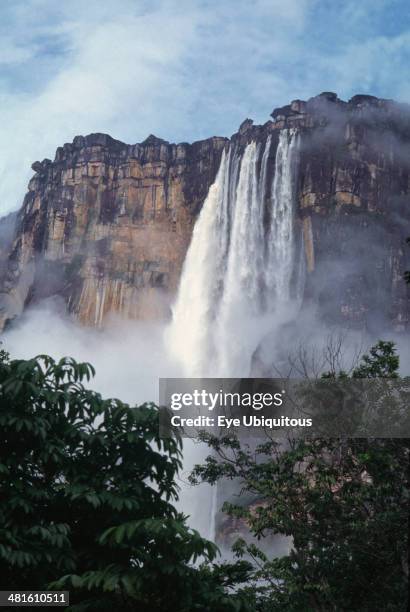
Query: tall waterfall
{"points": [[241, 266], [281, 243]]}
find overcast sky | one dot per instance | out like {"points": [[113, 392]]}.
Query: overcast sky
{"points": [[181, 69]]}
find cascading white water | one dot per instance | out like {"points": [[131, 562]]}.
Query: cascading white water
{"points": [[241, 303], [214, 510], [281, 238], [236, 273]]}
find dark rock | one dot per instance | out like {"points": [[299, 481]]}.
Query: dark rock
{"points": [[116, 219], [298, 106], [364, 100], [37, 166], [283, 111], [245, 126], [328, 95], [41, 167], [154, 141]]}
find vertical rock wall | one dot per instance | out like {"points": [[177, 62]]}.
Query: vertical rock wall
{"points": [[106, 225]]}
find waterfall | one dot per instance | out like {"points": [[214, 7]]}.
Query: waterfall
{"points": [[281, 237], [241, 265], [241, 300], [214, 509]]}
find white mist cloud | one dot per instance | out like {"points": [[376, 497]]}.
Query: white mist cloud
{"points": [[117, 72], [125, 368]]}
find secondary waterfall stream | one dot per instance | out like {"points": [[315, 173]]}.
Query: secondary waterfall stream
{"points": [[242, 271]]}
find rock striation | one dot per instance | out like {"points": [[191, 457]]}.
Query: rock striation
{"points": [[106, 225]]}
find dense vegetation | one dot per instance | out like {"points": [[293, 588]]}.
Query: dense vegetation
{"points": [[86, 499], [87, 492], [343, 502]]}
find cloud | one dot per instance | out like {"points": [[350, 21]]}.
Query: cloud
{"points": [[182, 70], [119, 74], [12, 53], [377, 64]]}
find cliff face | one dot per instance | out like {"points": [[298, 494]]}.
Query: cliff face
{"points": [[354, 204], [106, 225], [7, 226]]}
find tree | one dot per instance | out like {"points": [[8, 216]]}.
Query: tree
{"points": [[381, 362], [86, 492], [343, 503]]}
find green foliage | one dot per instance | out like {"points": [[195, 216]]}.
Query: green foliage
{"points": [[4, 356], [382, 362], [86, 499], [344, 505]]}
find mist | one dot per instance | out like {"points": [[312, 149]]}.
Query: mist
{"points": [[129, 357]]}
